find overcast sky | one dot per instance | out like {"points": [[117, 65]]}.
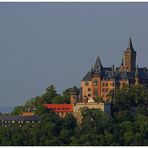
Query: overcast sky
{"points": [[57, 43]]}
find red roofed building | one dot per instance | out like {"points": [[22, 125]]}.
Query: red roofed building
{"points": [[76, 105], [61, 109]]}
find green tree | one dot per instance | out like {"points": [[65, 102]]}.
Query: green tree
{"points": [[49, 95], [99, 99], [74, 141], [66, 96], [69, 122], [57, 100], [17, 110]]}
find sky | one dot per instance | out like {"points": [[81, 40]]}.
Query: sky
{"points": [[57, 43]]}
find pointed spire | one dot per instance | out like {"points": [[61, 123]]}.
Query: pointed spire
{"points": [[125, 75], [98, 65], [130, 45], [113, 71], [122, 63], [92, 70], [137, 72]]}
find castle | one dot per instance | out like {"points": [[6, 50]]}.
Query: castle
{"points": [[99, 81]]}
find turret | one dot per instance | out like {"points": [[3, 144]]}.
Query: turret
{"points": [[98, 66], [130, 58], [74, 95], [92, 71], [113, 71]]}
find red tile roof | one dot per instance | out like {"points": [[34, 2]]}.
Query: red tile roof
{"points": [[60, 107]]}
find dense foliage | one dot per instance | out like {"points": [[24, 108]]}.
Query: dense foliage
{"points": [[127, 126], [49, 96]]}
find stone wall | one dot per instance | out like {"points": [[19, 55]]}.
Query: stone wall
{"points": [[104, 107]]}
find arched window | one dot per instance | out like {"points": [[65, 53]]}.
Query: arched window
{"points": [[86, 83], [89, 89], [95, 82], [89, 95]]}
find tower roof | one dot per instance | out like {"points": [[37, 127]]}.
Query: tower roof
{"points": [[130, 45], [74, 90], [122, 62], [98, 65]]}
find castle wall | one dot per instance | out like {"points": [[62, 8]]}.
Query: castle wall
{"points": [[106, 87], [105, 107], [86, 88]]}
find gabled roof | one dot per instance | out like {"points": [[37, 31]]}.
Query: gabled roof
{"points": [[87, 77], [98, 66], [73, 89], [108, 74], [143, 73]]}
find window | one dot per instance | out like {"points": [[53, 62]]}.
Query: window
{"points": [[89, 89], [123, 84], [13, 121], [103, 84], [96, 92], [95, 82], [89, 95], [103, 89], [113, 89], [107, 84], [75, 97], [113, 84], [86, 83]]}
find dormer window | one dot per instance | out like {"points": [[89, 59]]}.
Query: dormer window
{"points": [[86, 84], [95, 82]]}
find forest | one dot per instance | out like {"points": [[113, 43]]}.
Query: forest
{"points": [[127, 125]]}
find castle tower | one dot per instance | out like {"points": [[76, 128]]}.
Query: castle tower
{"points": [[74, 95], [130, 57], [121, 68], [98, 66], [96, 80]]}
